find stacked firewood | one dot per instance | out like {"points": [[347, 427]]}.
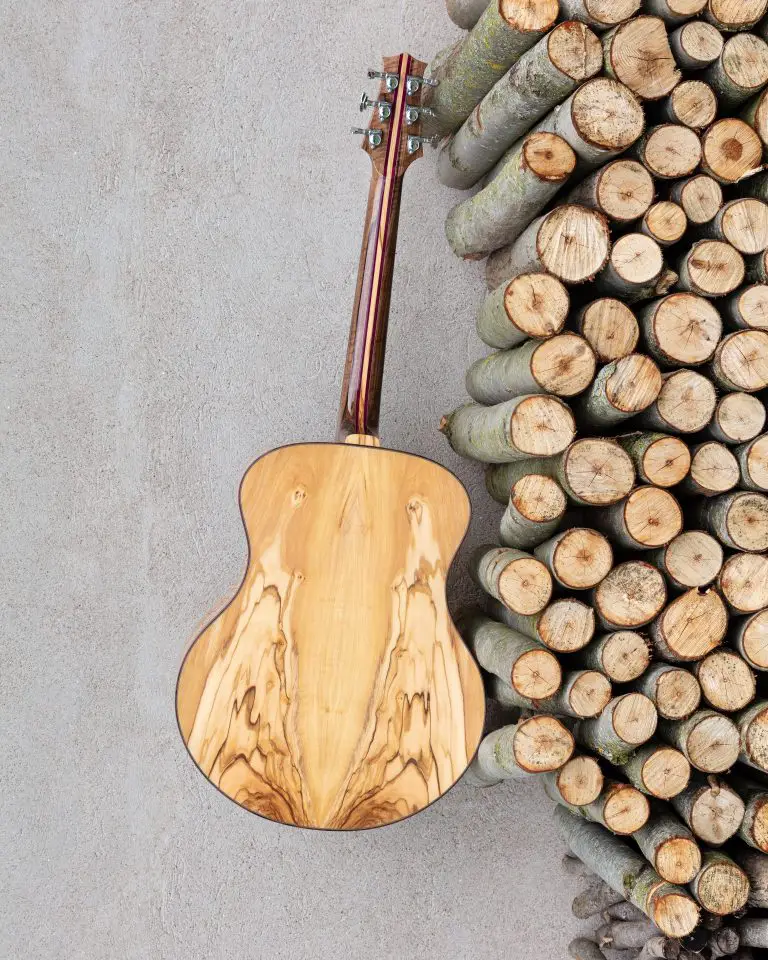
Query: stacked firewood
{"points": [[616, 158]]}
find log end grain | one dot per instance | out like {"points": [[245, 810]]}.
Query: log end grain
{"points": [[745, 224], [652, 517], [640, 57], [714, 469], [666, 461], [722, 887], [739, 417], [631, 595], [678, 860], [731, 150], [610, 327], [665, 222], [746, 521], [693, 625], [542, 744], [582, 558], [635, 719], [693, 559], [573, 242], [636, 259], [754, 735], [732, 15], [726, 681], [743, 582], [536, 675], [525, 586], [567, 625], [741, 361], [625, 810], [756, 463], [671, 150], [529, 16], [675, 915], [686, 401], [564, 365], [538, 499], [700, 197], [678, 694], [598, 471], [575, 50], [716, 812], [713, 742], [625, 656], [536, 304], [751, 305], [607, 114], [624, 190], [590, 693], [694, 104], [685, 329], [744, 64], [580, 781], [634, 384], [666, 773], [549, 157], [713, 268], [755, 640]]}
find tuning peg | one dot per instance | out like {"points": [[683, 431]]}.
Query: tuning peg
{"points": [[385, 109], [415, 142], [412, 114], [412, 84], [374, 136], [391, 80]]}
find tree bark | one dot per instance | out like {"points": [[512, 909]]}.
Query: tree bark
{"points": [[726, 680], [754, 832], [518, 580], [534, 511], [621, 389], [743, 223], [665, 222], [534, 745], [740, 71], [685, 404], [658, 771], [597, 897], [465, 13], [625, 724], [723, 943], [599, 14], [692, 103], [583, 694], [648, 518], [696, 45], [693, 625], [659, 459], [577, 783], [749, 635], [730, 16], [720, 886], [621, 190], [714, 470], [748, 308], [738, 519], [532, 426], [700, 197], [692, 559], [758, 266], [739, 417], [674, 691], [753, 463], [673, 12], [741, 361], [583, 949], [577, 558], [755, 113], [753, 932], [711, 268], [731, 150], [711, 809], [669, 847], [637, 53], [565, 626], [709, 740], [752, 724], [630, 596], [669, 151], [530, 305], [610, 328], [743, 582], [634, 268], [622, 655], [755, 865], [681, 329]]}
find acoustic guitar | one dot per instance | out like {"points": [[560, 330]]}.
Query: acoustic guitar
{"points": [[334, 690]]}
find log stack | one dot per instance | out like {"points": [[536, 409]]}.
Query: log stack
{"points": [[615, 153]]}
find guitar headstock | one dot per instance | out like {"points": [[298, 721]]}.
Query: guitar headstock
{"points": [[393, 138]]}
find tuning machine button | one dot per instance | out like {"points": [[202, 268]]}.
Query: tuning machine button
{"points": [[412, 114], [412, 84], [373, 135], [384, 108], [415, 142], [391, 80]]}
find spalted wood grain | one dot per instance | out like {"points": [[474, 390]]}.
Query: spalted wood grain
{"points": [[334, 690]]}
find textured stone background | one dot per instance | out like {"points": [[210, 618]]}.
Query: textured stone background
{"points": [[180, 220]]}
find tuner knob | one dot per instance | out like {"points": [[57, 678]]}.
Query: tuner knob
{"points": [[374, 136], [385, 109], [412, 84], [415, 142], [391, 80], [412, 114]]}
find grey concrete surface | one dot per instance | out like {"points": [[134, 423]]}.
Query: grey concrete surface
{"points": [[180, 219]]}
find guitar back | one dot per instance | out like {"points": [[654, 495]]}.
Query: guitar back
{"points": [[334, 691]]}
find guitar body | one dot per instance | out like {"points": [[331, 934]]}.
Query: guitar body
{"points": [[334, 690]]}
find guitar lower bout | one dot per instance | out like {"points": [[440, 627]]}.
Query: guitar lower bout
{"points": [[334, 690]]}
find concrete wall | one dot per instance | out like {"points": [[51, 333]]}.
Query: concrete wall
{"points": [[180, 219]]}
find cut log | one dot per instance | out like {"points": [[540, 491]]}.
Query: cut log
{"points": [[693, 625], [757, 271], [738, 519], [583, 694], [740, 71], [659, 459], [577, 558], [675, 11], [727, 682], [530, 305], [752, 725], [692, 103], [748, 307], [714, 470], [624, 911], [577, 783], [669, 847], [696, 45], [563, 365], [583, 949], [648, 518], [625, 724], [592, 472], [518, 580], [504, 31], [699, 196], [528, 176], [754, 832], [669, 151], [720, 886], [597, 897], [634, 268], [681, 329], [692, 560], [743, 223], [533, 426], [637, 53], [599, 14], [571, 243], [534, 745], [658, 771], [663, 948], [750, 637], [543, 77], [731, 150], [709, 740], [621, 389], [628, 873], [534, 511], [619, 808], [674, 691], [465, 13], [753, 932], [738, 417], [665, 222], [732, 15], [565, 626], [755, 865], [753, 463], [685, 404], [743, 582], [723, 942], [711, 809], [630, 596], [610, 328], [621, 190], [711, 268], [622, 655]]}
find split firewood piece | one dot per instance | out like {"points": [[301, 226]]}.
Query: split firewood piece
{"points": [[658, 771], [693, 625], [634, 268], [752, 725], [748, 307], [685, 403], [753, 932], [583, 949], [720, 886], [711, 268], [570, 242], [504, 31], [695, 45], [530, 669], [743, 223], [622, 655], [711, 809], [709, 740], [577, 783], [577, 558], [621, 389], [753, 831], [755, 113], [755, 865], [743, 582], [732, 15], [738, 519], [625, 724], [665, 222], [583, 694], [638, 54], [675, 692], [714, 470], [599, 14], [723, 942], [731, 150], [610, 328], [726, 680], [528, 176], [749, 635], [692, 560], [692, 103], [534, 745], [543, 77], [739, 417], [563, 365], [534, 511], [672, 910], [630, 596], [530, 305], [621, 190], [740, 71], [669, 151], [669, 846], [700, 197], [648, 518], [565, 626], [619, 808], [753, 463], [659, 459], [516, 579], [592, 472], [681, 329], [532, 426], [465, 13]]}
